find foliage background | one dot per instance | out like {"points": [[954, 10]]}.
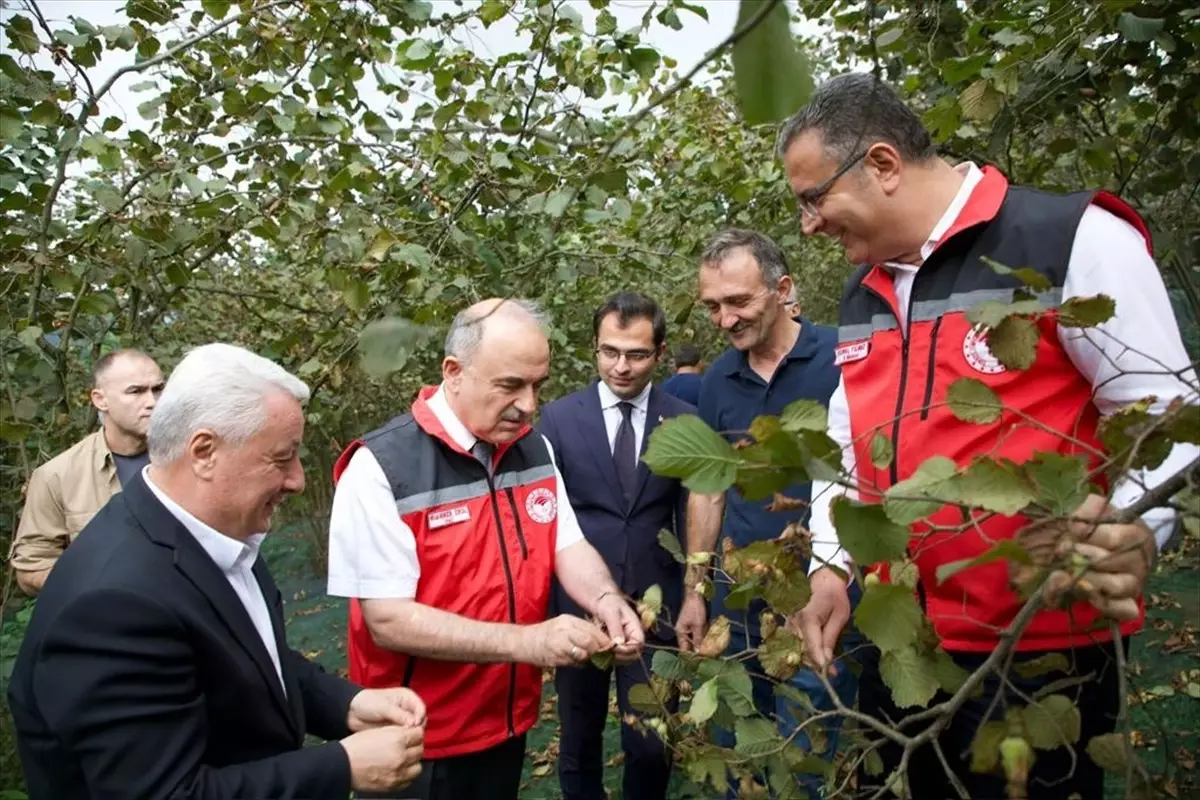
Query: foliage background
{"points": [[263, 200]]}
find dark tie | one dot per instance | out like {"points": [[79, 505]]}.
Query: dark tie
{"points": [[483, 454], [625, 452]]}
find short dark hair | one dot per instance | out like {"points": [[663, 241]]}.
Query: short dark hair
{"points": [[852, 112], [771, 261], [629, 306], [106, 361], [687, 355]]}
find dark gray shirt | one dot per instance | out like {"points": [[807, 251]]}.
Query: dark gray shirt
{"points": [[128, 466]]}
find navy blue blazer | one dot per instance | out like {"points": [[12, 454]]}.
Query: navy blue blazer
{"points": [[625, 535]]}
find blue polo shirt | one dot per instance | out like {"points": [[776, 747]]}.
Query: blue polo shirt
{"points": [[685, 386], [732, 395]]}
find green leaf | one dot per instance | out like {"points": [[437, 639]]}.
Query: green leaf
{"points": [[789, 594], [1006, 550], [1109, 753], [1026, 275], [669, 542], [888, 615], [921, 494], [1014, 342], [908, 676], [21, 34], [644, 61], [684, 447], [734, 687], [603, 660], [386, 344], [994, 487], [11, 124], [950, 676], [1042, 665], [971, 400], [889, 36], [985, 749], [1139, 29], [867, 533], [653, 598], [1061, 481], [991, 313], [882, 451], [45, 113], [557, 203], [804, 415], [756, 737], [217, 9], [773, 78], [1052, 722], [643, 699], [357, 295], [492, 11], [194, 184], [1086, 312], [704, 702], [668, 665]]}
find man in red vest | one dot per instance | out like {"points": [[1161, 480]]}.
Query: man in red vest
{"points": [[447, 526], [865, 172]]}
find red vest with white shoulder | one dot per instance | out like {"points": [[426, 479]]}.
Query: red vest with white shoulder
{"points": [[896, 385], [486, 549]]}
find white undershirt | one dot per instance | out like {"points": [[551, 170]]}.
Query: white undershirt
{"points": [[236, 561], [613, 416], [1108, 257], [372, 551]]}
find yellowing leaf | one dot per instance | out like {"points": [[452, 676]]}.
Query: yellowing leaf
{"points": [[781, 654], [882, 451], [985, 749], [1042, 665], [643, 699], [980, 102], [1052, 722], [704, 702]]}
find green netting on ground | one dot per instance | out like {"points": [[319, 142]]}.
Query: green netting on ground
{"points": [[1165, 659]]}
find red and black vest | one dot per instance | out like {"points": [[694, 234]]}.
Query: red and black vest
{"points": [[486, 549], [896, 385]]}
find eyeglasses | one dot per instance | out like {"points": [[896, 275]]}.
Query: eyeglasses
{"points": [[809, 200], [632, 356]]}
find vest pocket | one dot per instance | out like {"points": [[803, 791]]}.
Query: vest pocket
{"points": [[931, 371]]}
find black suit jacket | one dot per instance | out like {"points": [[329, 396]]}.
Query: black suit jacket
{"points": [[142, 676], [625, 535]]}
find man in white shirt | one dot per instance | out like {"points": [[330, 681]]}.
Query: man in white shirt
{"points": [[156, 663], [448, 524], [599, 434], [865, 172]]}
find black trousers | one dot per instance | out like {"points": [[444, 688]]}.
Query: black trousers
{"points": [[583, 712], [492, 774], [1053, 777]]}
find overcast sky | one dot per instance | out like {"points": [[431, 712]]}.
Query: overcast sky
{"points": [[686, 46]]}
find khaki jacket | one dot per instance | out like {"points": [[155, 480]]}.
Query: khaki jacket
{"points": [[63, 495]]}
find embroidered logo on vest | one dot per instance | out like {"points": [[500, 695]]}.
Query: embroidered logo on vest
{"points": [[976, 351], [541, 506], [855, 351]]}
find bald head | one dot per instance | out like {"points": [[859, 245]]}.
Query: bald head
{"points": [[497, 358]]}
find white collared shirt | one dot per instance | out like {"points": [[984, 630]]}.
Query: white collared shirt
{"points": [[609, 403], [372, 551], [1109, 257], [236, 561]]}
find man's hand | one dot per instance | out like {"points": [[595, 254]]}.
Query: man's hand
{"points": [[563, 641], [689, 627], [1115, 558], [820, 622], [384, 759], [622, 625], [372, 708]]}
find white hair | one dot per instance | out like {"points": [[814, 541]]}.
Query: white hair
{"points": [[216, 387], [466, 331]]}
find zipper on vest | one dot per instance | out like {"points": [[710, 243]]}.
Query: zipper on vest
{"points": [[512, 502], [512, 607], [932, 364], [894, 467]]}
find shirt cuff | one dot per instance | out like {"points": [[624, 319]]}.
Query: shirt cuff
{"points": [[1160, 521], [389, 589]]}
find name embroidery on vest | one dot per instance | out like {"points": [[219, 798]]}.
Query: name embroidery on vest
{"points": [[855, 351], [448, 516]]}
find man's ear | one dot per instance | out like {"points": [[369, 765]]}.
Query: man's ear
{"points": [[99, 400], [885, 163], [452, 370], [202, 452]]}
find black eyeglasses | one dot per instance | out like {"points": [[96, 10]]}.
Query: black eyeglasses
{"points": [[809, 200], [632, 356]]}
